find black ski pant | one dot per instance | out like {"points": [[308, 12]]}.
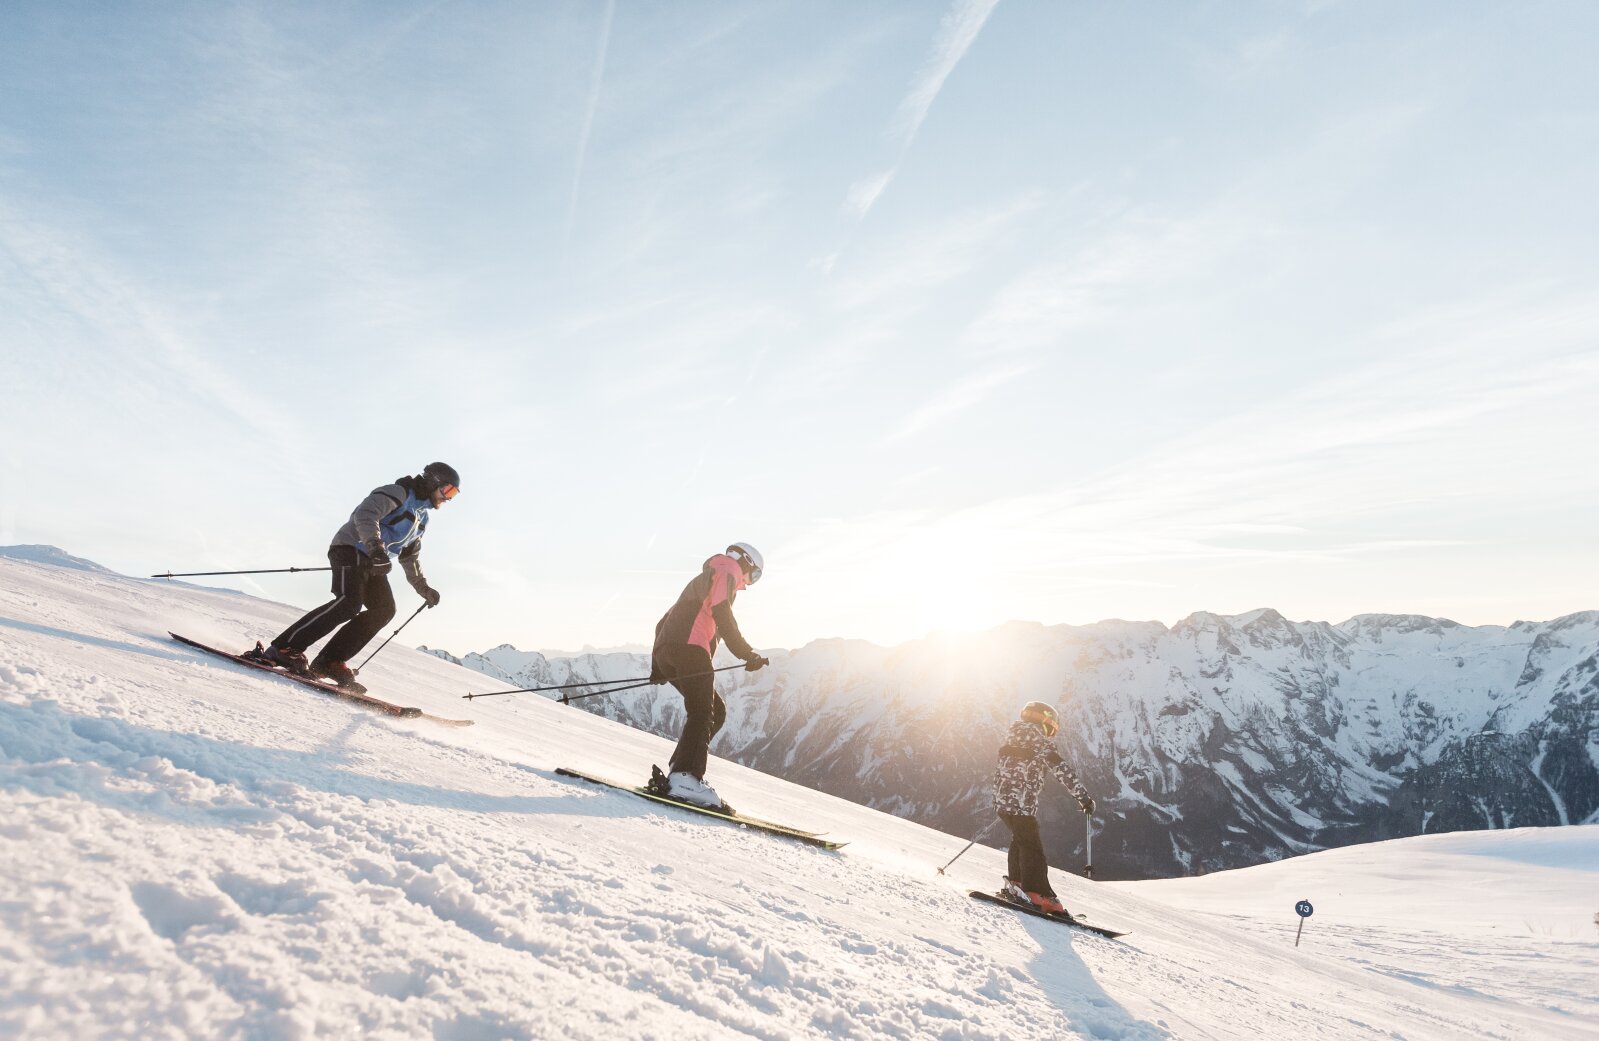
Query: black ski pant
{"points": [[1026, 865], [354, 586], [688, 669]]}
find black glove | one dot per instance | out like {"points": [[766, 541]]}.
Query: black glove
{"points": [[379, 563], [1087, 803], [428, 593], [756, 664]]}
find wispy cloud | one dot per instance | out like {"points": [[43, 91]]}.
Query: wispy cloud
{"points": [[1137, 256], [911, 267], [1353, 469], [958, 397], [1130, 256], [90, 315], [1247, 56], [1411, 428], [1044, 303], [864, 192], [698, 173], [595, 81], [312, 128], [956, 33]]}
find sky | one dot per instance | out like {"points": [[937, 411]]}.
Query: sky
{"points": [[960, 312]]}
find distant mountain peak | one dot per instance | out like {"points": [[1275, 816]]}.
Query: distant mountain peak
{"points": [[53, 555], [1402, 623], [1223, 741]]}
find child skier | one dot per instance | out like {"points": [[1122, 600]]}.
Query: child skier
{"points": [[1028, 751]]}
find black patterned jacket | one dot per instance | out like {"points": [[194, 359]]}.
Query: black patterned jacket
{"points": [[1027, 753]]}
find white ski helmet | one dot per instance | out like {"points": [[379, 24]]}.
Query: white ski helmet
{"points": [[748, 556]]}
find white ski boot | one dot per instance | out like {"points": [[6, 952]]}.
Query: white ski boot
{"points": [[685, 787]]}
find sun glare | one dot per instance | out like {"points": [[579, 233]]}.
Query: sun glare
{"points": [[944, 585]]}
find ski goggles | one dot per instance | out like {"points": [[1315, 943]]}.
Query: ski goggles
{"points": [[449, 491]]}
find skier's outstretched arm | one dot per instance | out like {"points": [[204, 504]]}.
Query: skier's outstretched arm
{"points": [[1068, 777]]}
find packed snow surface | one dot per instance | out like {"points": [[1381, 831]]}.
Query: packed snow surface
{"points": [[196, 850]]}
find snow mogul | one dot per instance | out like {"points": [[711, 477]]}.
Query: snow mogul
{"points": [[1029, 751], [686, 639], [387, 525]]}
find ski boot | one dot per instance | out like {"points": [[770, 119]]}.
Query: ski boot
{"points": [[1048, 904], [686, 788], [286, 658], [338, 672]]}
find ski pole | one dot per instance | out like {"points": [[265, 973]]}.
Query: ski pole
{"points": [[392, 635], [968, 846], [565, 698], [1088, 824], [266, 571], [559, 686], [957, 856]]}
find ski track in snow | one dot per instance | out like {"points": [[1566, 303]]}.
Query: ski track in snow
{"points": [[194, 850]]}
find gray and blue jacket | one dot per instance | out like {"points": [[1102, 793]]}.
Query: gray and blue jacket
{"points": [[389, 522]]}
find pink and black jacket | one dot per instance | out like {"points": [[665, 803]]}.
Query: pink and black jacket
{"points": [[703, 614]]}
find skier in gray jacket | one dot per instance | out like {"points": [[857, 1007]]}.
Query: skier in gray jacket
{"points": [[387, 525], [1029, 751]]}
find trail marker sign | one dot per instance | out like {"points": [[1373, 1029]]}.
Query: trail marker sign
{"points": [[1304, 911]]}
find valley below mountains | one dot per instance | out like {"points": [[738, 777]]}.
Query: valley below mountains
{"points": [[1219, 742]]}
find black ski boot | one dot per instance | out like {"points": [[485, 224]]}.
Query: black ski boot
{"points": [[286, 658]]}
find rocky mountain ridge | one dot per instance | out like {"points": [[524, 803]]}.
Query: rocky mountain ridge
{"points": [[1218, 742]]}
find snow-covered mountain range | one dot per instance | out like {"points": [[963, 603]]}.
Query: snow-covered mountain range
{"points": [[1219, 742]]}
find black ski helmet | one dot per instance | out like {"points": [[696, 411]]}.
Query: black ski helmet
{"points": [[1042, 714], [437, 475]]}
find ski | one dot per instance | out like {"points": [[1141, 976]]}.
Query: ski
{"points": [[809, 837], [364, 700], [1064, 919]]}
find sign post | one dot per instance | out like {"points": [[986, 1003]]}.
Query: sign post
{"points": [[1304, 910]]}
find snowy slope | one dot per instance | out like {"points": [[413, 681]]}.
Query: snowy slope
{"points": [[196, 850]]}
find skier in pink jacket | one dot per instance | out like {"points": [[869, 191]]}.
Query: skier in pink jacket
{"points": [[686, 639]]}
